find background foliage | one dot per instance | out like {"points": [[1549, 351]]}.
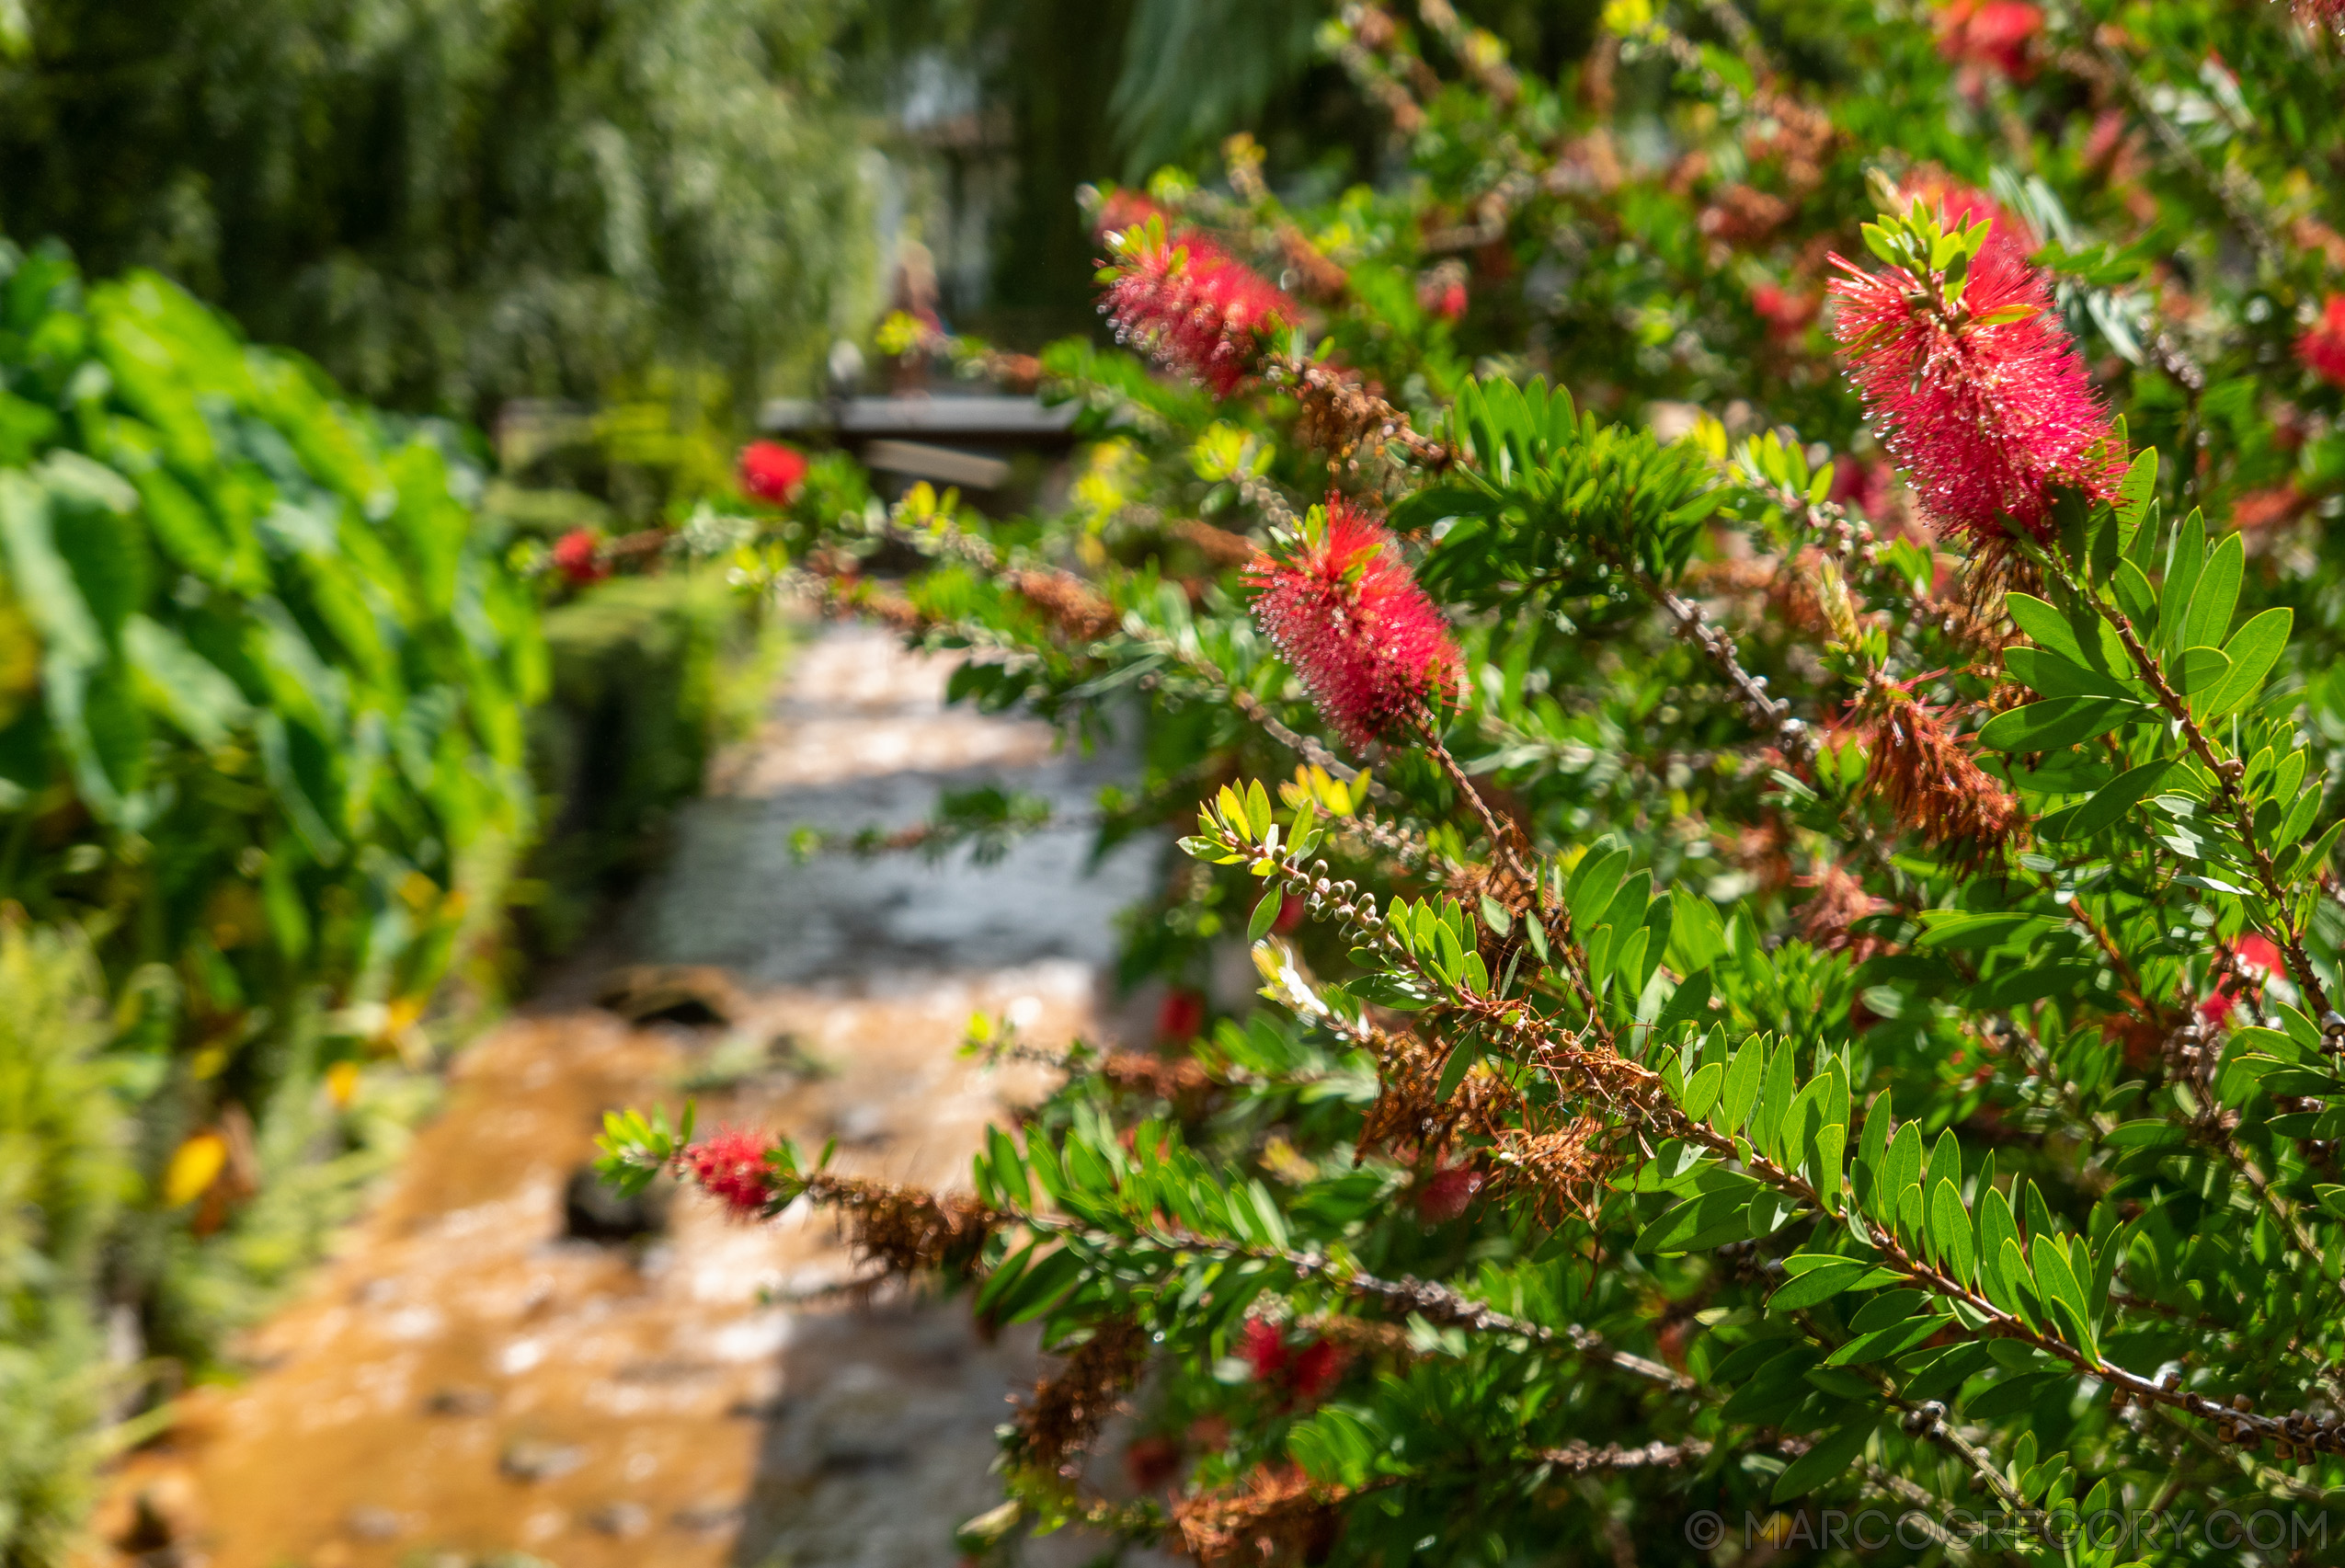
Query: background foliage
{"points": [[449, 205], [263, 781]]}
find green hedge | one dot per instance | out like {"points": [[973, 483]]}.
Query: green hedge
{"points": [[264, 688]]}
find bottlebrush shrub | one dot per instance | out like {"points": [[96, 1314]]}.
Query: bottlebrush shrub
{"points": [[1835, 1006]]}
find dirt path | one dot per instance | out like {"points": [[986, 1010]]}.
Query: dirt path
{"points": [[465, 1380]]}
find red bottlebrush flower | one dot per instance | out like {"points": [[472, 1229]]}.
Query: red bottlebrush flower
{"points": [[1441, 291], [1987, 418], [1299, 1372], [1994, 35], [2253, 957], [1344, 612], [1315, 1368], [773, 472], [1292, 912], [2322, 348], [1787, 315], [1180, 1017], [730, 1167], [2318, 14], [1444, 1195], [576, 557], [1263, 1349], [1193, 306], [1928, 777]]}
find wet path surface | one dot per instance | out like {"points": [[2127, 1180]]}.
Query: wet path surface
{"points": [[467, 1379]]}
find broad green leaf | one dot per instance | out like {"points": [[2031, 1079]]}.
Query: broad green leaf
{"points": [[2056, 724], [1950, 1231], [2198, 669], [1688, 1004], [1775, 1094], [1701, 1090], [2216, 596], [1265, 913], [2183, 561], [1828, 1460], [1596, 882], [2046, 627], [1818, 1286], [2110, 802], [2252, 650], [2053, 675], [1903, 1173], [1742, 1089], [1700, 1223]]}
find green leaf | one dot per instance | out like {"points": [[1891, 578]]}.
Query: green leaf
{"points": [[1770, 1211], [2136, 490], [2198, 669], [1775, 1101], [1265, 913], [1950, 1231], [2137, 599], [2216, 596], [1711, 1220], [2053, 675], [2110, 803], [1258, 814], [2045, 626], [1009, 1171], [1887, 1310], [2063, 1291], [1688, 1004], [1741, 1094], [2252, 650], [1904, 1171], [1701, 1090], [2057, 723], [1818, 1285], [2187, 555], [2018, 1281], [1829, 1459], [1453, 1071], [1596, 882], [2012, 1393]]}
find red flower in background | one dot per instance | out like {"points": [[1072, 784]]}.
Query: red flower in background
{"points": [[1995, 35], [773, 472], [1987, 420], [1446, 1194], [2252, 958], [2322, 348], [576, 557], [1180, 1017], [1303, 1372], [730, 1167], [1196, 307], [1787, 315], [1344, 612], [1441, 291]]}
